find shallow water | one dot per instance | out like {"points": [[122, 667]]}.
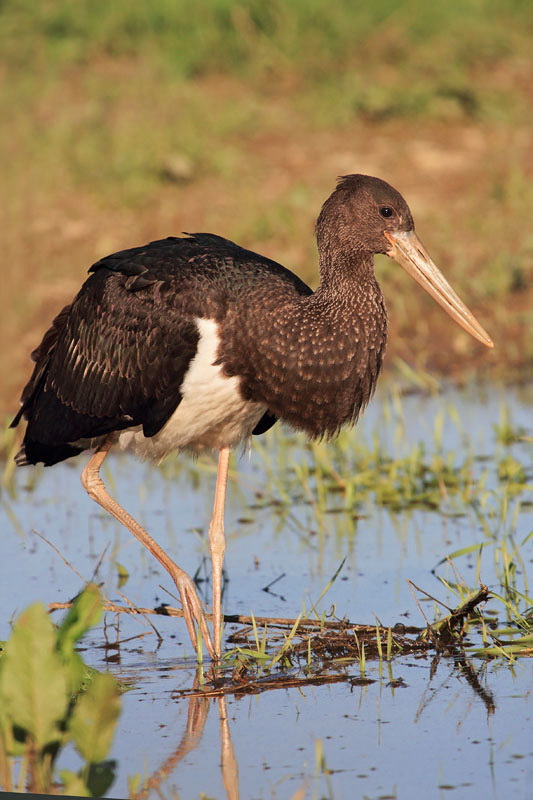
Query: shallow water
{"points": [[426, 727]]}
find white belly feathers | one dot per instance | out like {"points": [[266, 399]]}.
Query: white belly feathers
{"points": [[211, 414]]}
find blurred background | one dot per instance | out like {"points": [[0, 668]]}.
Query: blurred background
{"points": [[124, 122]]}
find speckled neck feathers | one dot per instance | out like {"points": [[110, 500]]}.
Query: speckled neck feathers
{"points": [[312, 360]]}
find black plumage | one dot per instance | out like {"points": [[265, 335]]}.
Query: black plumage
{"points": [[121, 354], [117, 355]]}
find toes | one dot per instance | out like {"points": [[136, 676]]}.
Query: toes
{"points": [[193, 611]]}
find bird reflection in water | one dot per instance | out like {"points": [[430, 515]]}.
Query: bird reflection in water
{"points": [[197, 713]]}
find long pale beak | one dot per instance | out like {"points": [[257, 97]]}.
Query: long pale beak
{"points": [[409, 252]]}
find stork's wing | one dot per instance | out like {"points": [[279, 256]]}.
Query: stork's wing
{"points": [[114, 358]]}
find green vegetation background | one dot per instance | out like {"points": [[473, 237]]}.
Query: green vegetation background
{"points": [[123, 122]]}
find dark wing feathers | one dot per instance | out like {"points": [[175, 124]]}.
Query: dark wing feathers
{"points": [[117, 355], [122, 354], [116, 351], [197, 256], [113, 359], [41, 357]]}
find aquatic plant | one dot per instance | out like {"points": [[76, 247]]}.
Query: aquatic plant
{"points": [[49, 698]]}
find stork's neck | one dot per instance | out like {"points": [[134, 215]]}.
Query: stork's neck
{"points": [[346, 276], [312, 360]]}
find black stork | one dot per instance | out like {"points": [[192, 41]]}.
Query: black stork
{"points": [[195, 343]]}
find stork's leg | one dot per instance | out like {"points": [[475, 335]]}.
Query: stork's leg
{"points": [[192, 606], [228, 762], [217, 544]]}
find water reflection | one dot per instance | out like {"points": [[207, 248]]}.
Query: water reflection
{"points": [[428, 704], [197, 712], [460, 667]]}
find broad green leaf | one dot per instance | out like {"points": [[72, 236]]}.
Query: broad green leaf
{"points": [[94, 718], [33, 685], [86, 611], [74, 668], [9, 744], [100, 777], [73, 784]]}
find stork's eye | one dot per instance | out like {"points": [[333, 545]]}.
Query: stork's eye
{"points": [[386, 211]]}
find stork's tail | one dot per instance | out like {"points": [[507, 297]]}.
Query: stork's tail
{"points": [[47, 454]]}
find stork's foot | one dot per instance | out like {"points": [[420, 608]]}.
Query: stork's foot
{"points": [[193, 611]]}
